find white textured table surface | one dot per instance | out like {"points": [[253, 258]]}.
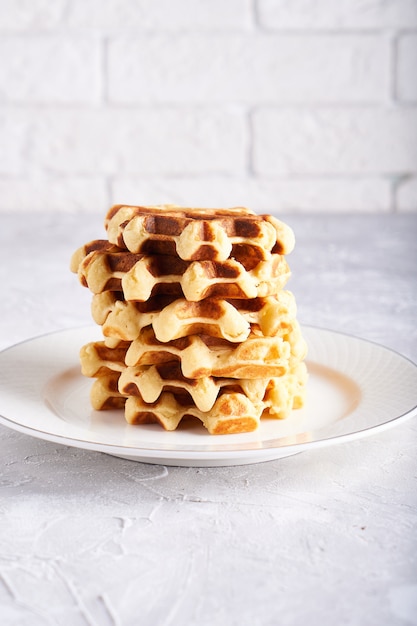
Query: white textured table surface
{"points": [[323, 537]]}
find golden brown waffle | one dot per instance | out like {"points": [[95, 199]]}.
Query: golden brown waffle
{"points": [[140, 277], [196, 234], [103, 304], [97, 358], [149, 382], [199, 356], [286, 393], [97, 245], [232, 412], [256, 357], [231, 320], [104, 393]]}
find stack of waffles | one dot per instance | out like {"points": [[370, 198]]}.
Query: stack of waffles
{"points": [[195, 318]]}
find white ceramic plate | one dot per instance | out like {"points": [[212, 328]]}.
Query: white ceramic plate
{"points": [[355, 388]]}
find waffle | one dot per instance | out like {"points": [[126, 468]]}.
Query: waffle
{"points": [[199, 356], [97, 245], [195, 319], [142, 276], [98, 359], [104, 304], [196, 234], [104, 393], [149, 382], [232, 412], [256, 357], [232, 320]]}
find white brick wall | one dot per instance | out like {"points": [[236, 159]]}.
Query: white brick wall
{"points": [[407, 67], [358, 141], [45, 69], [250, 69], [115, 141], [300, 105]]}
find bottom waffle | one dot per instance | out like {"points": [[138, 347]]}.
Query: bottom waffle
{"points": [[232, 412]]}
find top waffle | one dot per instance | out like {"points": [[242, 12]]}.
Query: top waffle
{"points": [[197, 234]]}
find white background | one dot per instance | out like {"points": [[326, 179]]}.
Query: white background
{"points": [[301, 105]]}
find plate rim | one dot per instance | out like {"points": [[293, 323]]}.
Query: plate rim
{"points": [[261, 454]]}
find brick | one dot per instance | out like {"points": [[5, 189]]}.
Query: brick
{"points": [[285, 195], [13, 142], [406, 71], [32, 15], [339, 14], [198, 68], [169, 141], [53, 194], [406, 195], [138, 15], [49, 70], [321, 141]]}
